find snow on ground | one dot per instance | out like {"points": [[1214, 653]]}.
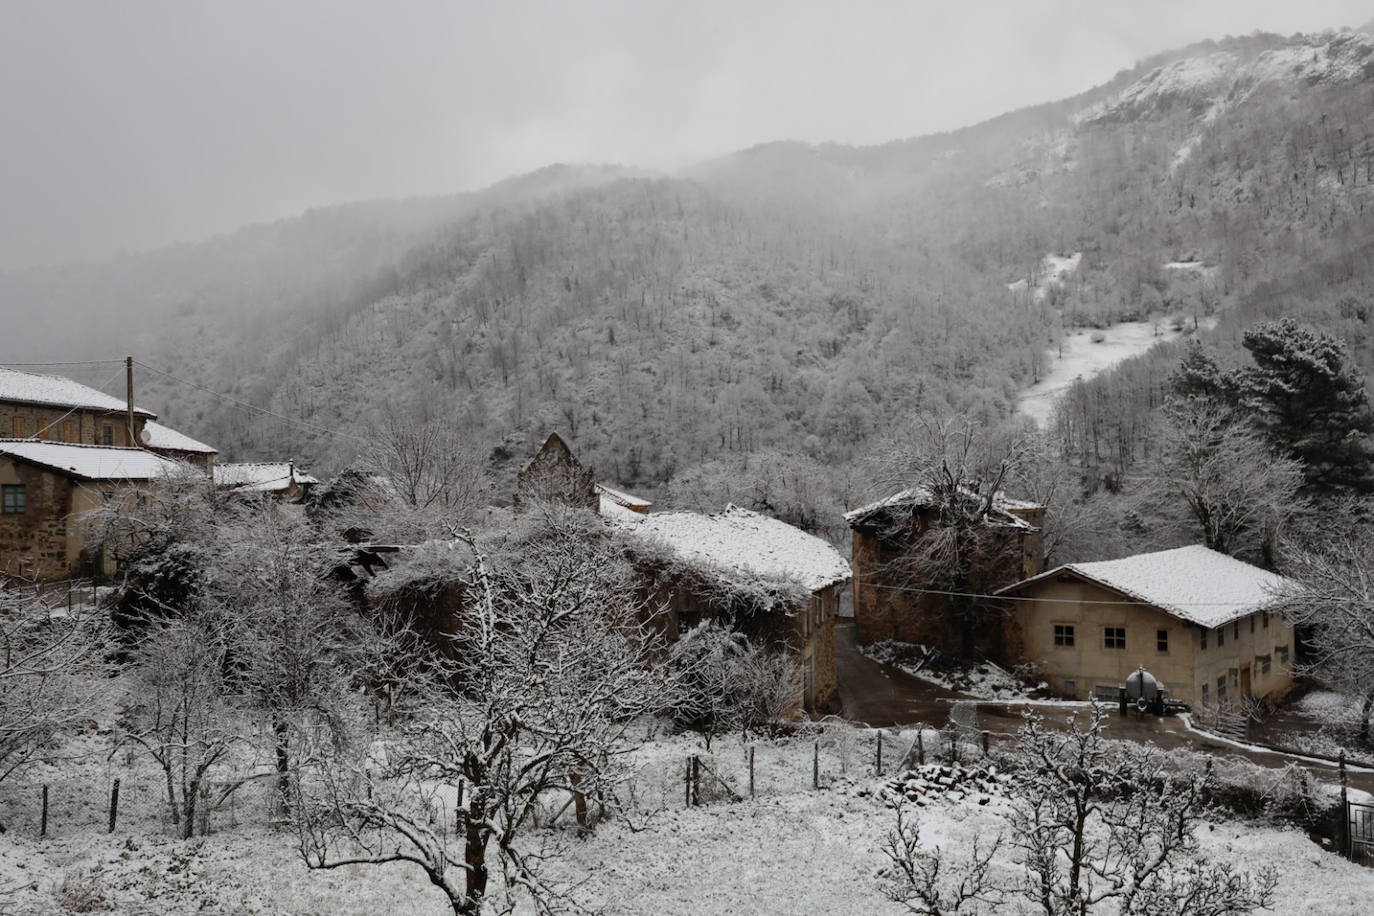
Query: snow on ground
{"points": [[805, 852], [1051, 272], [985, 681], [1084, 356]]}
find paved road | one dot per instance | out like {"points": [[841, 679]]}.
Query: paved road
{"points": [[882, 696]]}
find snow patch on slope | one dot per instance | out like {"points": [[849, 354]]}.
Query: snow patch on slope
{"points": [[1051, 272]]}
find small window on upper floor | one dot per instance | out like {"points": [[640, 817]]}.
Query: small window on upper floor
{"points": [[1204, 637], [1161, 640], [1266, 619], [1063, 634], [1221, 637], [19, 427], [14, 499], [1235, 630], [68, 431], [1113, 637], [107, 434]]}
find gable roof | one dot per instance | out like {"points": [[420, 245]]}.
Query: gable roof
{"points": [[744, 541], [55, 391], [1195, 583], [157, 436], [621, 498], [918, 497], [260, 476], [93, 462]]}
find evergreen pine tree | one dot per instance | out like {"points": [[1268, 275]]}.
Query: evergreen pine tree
{"points": [[1310, 401]]}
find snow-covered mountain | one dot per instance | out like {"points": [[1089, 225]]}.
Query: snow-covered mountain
{"points": [[789, 296]]}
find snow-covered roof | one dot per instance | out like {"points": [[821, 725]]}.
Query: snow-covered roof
{"points": [[622, 498], [157, 436], [1196, 583], [260, 477], [744, 541], [920, 496], [93, 462], [608, 508], [55, 391]]}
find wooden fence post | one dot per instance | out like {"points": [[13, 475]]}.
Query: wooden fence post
{"points": [[687, 784], [816, 764], [43, 817], [1347, 845], [751, 771], [696, 780], [921, 746], [985, 743], [880, 752], [114, 804]]}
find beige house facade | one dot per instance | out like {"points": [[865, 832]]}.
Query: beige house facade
{"points": [[1199, 621]]}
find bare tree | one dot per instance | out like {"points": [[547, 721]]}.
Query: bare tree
{"points": [[1236, 492], [552, 665], [959, 543], [1097, 826], [919, 879], [51, 662], [182, 714], [1332, 601]]}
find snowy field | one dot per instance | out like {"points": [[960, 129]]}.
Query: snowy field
{"points": [[792, 850], [1085, 356]]}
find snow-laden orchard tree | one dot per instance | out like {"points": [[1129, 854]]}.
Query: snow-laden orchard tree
{"points": [[552, 665], [1095, 826], [298, 648], [182, 712], [51, 666]]}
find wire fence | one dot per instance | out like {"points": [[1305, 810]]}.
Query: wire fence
{"points": [[828, 755], [126, 804]]}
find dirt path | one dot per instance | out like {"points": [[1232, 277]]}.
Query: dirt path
{"points": [[882, 695]]}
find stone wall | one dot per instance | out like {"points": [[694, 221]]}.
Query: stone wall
{"points": [[22, 421], [35, 544]]}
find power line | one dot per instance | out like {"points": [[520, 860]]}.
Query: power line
{"points": [[253, 407], [936, 591], [81, 362]]}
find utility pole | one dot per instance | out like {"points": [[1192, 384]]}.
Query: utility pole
{"points": [[129, 400]]}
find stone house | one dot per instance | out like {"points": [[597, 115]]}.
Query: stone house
{"points": [[57, 409], [281, 479], [1196, 619], [169, 443], [887, 601], [762, 576], [45, 490]]}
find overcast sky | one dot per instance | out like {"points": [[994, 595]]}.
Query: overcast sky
{"points": [[134, 123]]}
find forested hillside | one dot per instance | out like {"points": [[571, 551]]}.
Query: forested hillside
{"points": [[787, 299]]}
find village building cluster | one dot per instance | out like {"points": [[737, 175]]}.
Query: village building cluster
{"points": [[1201, 622]]}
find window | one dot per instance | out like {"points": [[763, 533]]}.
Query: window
{"points": [[1070, 689], [1204, 639], [1161, 640], [107, 435], [68, 431], [1206, 695], [107, 497], [1221, 689], [1221, 637], [1113, 637], [14, 499], [1063, 634], [1109, 693], [1283, 654], [19, 427], [1235, 630], [1266, 620], [1252, 623], [1264, 661]]}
